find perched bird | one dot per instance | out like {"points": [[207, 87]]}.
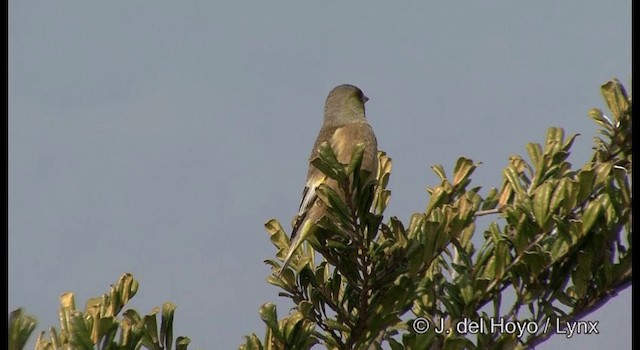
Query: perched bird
{"points": [[344, 127]]}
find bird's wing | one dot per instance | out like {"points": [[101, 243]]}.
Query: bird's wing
{"points": [[342, 139], [304, 224], [309, 196], [346, 138]]}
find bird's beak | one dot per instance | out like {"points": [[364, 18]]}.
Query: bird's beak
{"points": [[364, 99]]}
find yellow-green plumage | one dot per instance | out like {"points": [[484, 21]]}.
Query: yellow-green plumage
{"points": [[344, 127]]}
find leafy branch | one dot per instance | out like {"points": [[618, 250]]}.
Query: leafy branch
{"points": [[561, 249], [98, 326]]}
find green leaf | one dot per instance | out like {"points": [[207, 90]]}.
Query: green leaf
{"points": [[269, 315], [437, 196], [616, 97], [290, 324], [536, 261], [183, 342], [333, 201], [331, 227], [559, 193], [79, 334], [21, 326], [151, 325], [609, 209], [458, 343], [600, 119], [506, 341], [328, 164], [356, 158], [102, 326], [395, 345], [603, 171], [491, 199], [569, 142], [541, 199], [564, 299], [512, 176], [166, 324], [336, 325], [586, 179], [590, 215], [582, 274], [535, 153], [555, 136], [502, 258]]}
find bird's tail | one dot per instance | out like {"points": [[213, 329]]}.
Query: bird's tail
{"points": [[297, 238]]}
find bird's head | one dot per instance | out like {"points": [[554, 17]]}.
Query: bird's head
{"points": [[345, 104]]}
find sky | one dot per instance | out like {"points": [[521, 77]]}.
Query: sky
{"points": [[157, 137]]}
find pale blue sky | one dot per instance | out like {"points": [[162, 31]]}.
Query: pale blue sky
{"points": [[156, 137]]}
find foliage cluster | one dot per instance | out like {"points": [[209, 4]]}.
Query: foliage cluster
{"points": [[562, 250]]}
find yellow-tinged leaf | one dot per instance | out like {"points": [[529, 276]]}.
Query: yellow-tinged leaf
{"points": [[518, 163], [505, 195], [67, 301], [439, 170], [463, 168], [273, 226], [384, 169], [278, 237], [599, 118]]}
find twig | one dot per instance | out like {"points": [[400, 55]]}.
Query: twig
{"points": [[487, 212]]}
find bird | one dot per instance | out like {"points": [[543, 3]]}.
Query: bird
{"points": [[344, 127]]}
